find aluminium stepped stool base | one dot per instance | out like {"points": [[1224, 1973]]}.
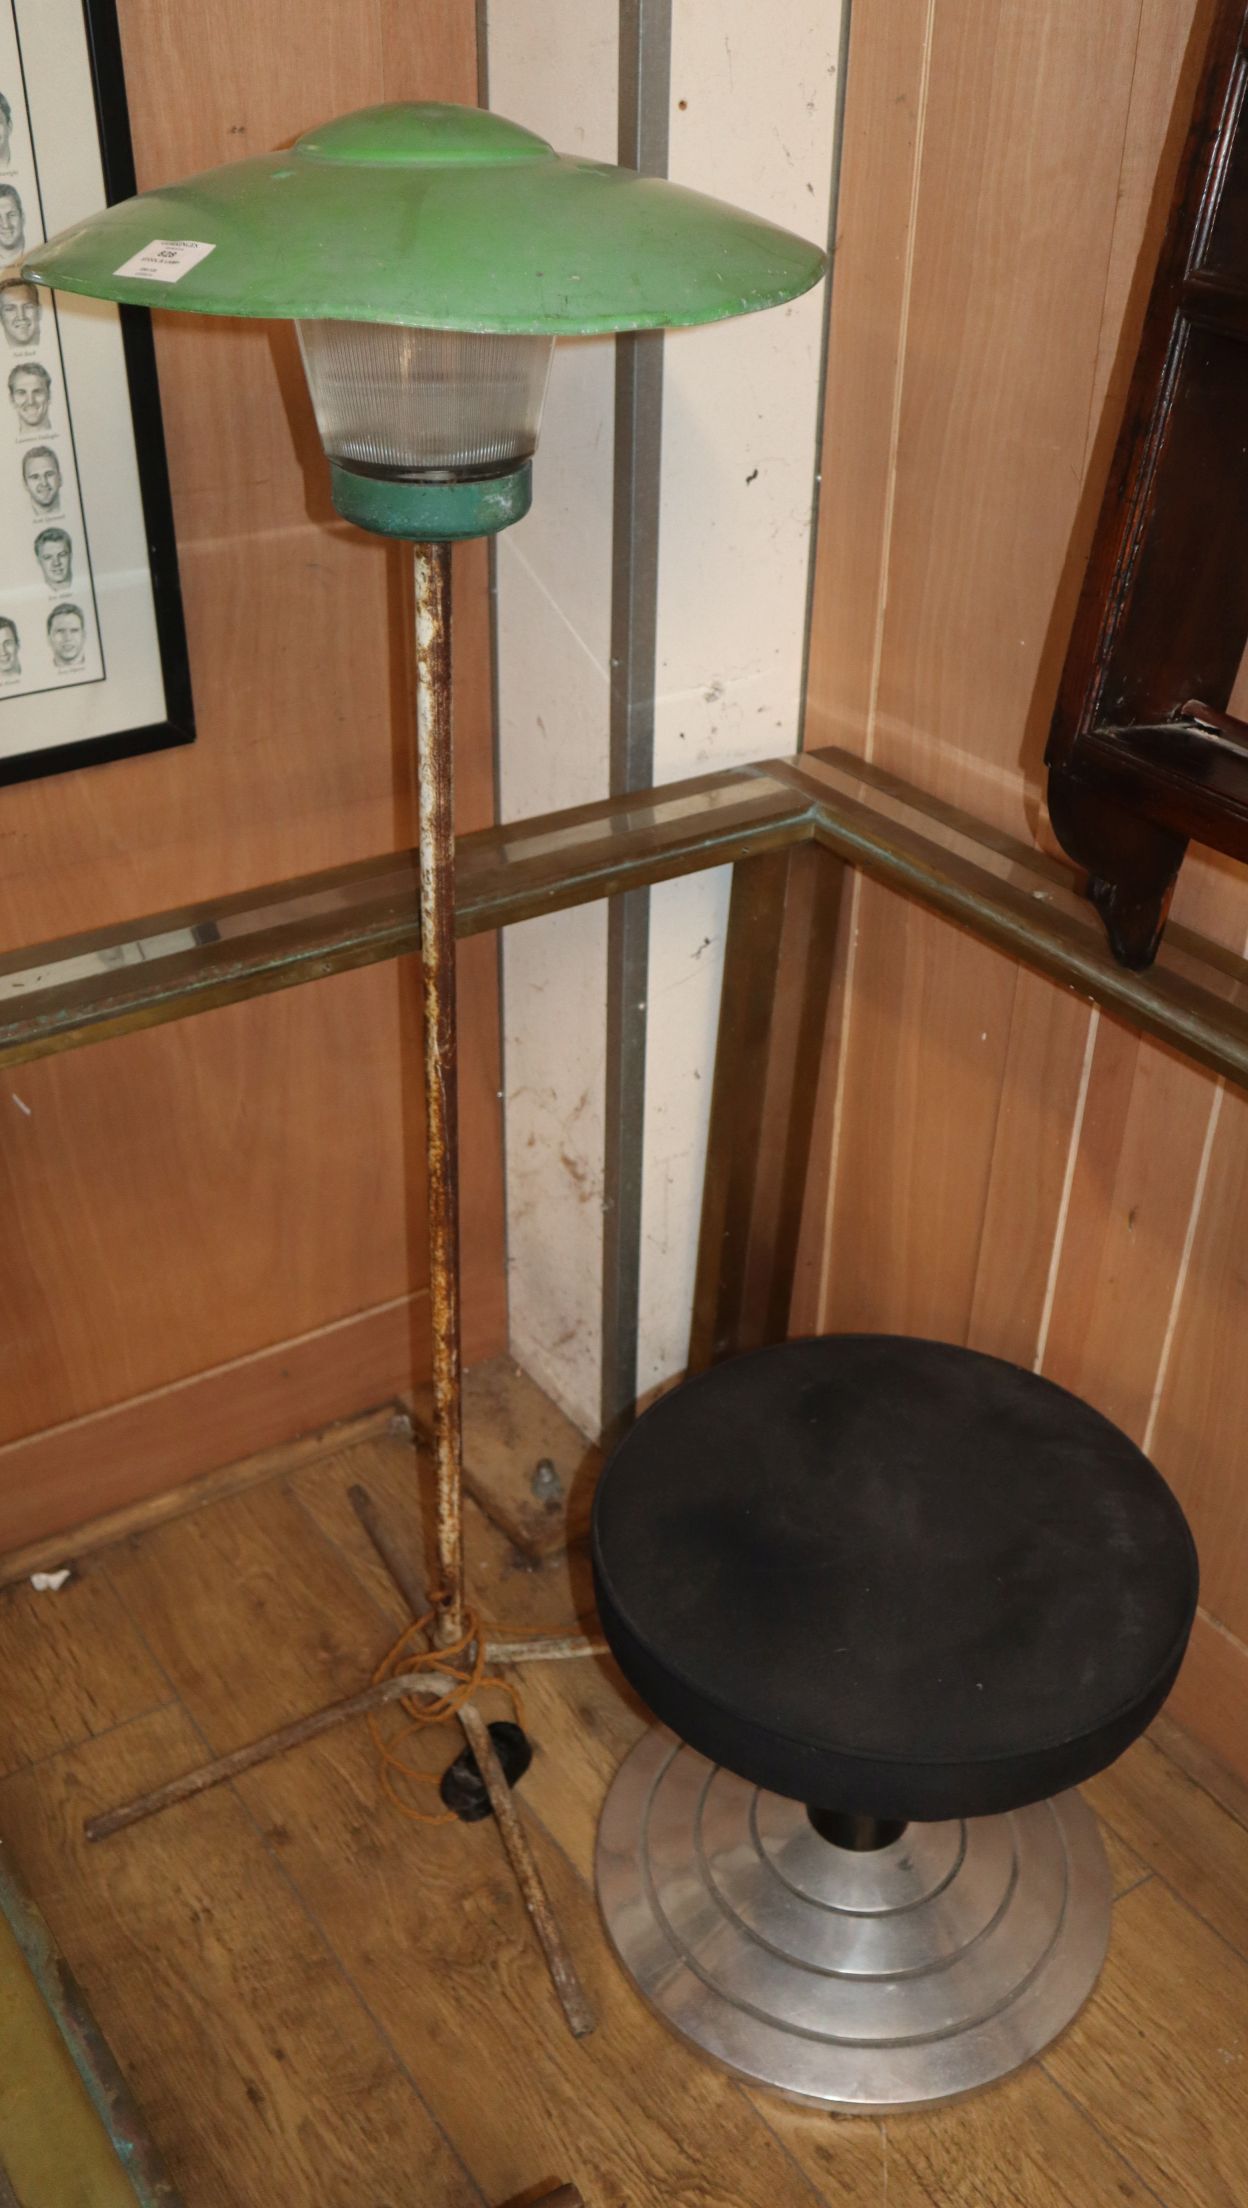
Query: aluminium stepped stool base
{"points": [[861, 1982]]}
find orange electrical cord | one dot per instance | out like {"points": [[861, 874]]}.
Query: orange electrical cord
{"points": [[410, 1654]]}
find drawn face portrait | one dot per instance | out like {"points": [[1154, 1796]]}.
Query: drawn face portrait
{"points": [[55, 555], [42, 472], [66, 635], [10, 664], [19, 314], [12, 221], [30, 392]]}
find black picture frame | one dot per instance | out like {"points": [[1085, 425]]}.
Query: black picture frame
{"points": [[103, 40]]}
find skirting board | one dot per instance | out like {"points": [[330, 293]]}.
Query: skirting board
{"points": [[57, 1479], [53, 1550]]}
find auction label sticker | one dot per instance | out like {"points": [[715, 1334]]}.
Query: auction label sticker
{"points": [[166, 260]]}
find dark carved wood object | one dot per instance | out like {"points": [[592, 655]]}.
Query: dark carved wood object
{"points": [[1142, 754]]}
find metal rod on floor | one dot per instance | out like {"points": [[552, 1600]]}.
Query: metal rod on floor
{"points": [[428, 1684], [545, 1648], [563, 1971], [435, 780]]}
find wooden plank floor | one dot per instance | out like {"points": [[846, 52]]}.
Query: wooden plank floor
{"points": [[319, 2002]]}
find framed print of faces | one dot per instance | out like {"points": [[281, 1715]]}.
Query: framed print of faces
{"points": [[92, 645]]}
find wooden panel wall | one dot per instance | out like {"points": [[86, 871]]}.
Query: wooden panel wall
{"points": [[203, 1230], [999, 1165]]}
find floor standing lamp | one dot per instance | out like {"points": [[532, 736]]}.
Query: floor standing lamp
{"points": [[429, 256]]}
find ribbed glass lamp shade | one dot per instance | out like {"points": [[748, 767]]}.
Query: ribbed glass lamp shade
{"points": [[437, 405]]}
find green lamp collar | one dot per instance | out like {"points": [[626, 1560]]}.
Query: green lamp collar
{"points": [[431, 513]]}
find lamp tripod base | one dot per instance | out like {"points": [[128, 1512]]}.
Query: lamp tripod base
{"points": [[862, 1981]]}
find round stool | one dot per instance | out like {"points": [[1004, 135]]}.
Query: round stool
{"points": [[892, 1598]]}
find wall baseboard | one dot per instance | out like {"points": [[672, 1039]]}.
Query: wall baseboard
{"points": [[91, 1535], [55, 1480]]}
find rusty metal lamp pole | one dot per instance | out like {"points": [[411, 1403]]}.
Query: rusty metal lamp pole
{"points": [[434, 765], [430, 256]]}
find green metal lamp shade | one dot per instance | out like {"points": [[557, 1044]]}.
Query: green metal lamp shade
{"points": [[444, 217], [456, 246]]}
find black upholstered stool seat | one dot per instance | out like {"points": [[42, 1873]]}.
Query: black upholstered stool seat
{"points": [[892, 1577]]}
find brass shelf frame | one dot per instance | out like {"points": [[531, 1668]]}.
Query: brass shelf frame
{"points": [[791, 829], [80, 989]]}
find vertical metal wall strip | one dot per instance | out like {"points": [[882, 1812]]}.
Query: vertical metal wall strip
{"points": [[483, 100], [644, 96], [834, 203]]}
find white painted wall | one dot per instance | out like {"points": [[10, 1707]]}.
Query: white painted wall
{"points": [[754, 104], [754, 96], [552, 64]]}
